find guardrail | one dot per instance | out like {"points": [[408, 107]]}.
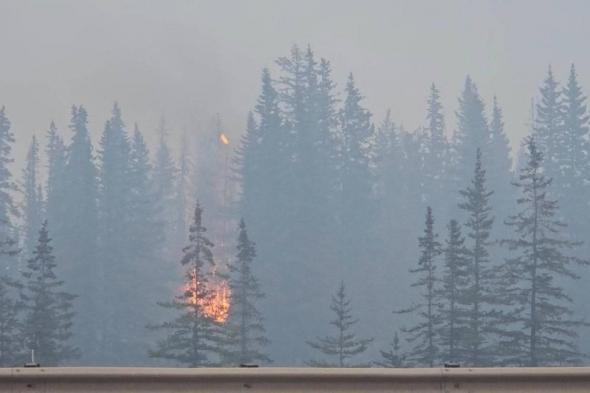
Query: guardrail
{"points": [[228, 380]]}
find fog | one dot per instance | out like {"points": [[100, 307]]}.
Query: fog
{"points": [[279, 182]]}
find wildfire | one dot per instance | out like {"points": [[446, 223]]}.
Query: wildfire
{"points": [[217, 307], [223, 139]]}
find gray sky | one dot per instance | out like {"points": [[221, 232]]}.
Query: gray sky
{"points": [[191, 59]]}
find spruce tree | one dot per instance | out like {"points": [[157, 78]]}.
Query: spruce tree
{"points": [[548, 123], [573, 158], [472, 133], [83, 270], [423, 336], [49, 310], [55, 191], [499, 165], [535, 274], [33, 200], [357, 208], [193, 336], [11, 348], [480, 220], [8, 209], [392, 357], [436, 163], [344, 344], [245, 325], [455, 295]]}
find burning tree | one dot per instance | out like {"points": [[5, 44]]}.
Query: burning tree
{"points": [[194, 335], [245, 329], [344, 344]]}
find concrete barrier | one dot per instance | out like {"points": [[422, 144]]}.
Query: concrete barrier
{"points": [[228, 380]]}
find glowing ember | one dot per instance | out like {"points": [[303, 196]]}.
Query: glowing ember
{"points": [[217, 307], [223, 139]]}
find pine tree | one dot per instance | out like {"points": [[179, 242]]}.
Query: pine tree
{"points": [[245, 323], [55, 207], [356, 176], [536, 272], [392, 357], [499, 164], [11, 348], [455, 295], [83, 271], [436, 160], [49, 309], [8, 188], [193, 335], [33, 201], [423, 337], [573, 158], [164, 181], [472, 133], [344, 344], [548, 123], [480, 220], [183, 191]]}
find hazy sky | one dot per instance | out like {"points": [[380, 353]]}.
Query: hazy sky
{"points": [[190, 59]]}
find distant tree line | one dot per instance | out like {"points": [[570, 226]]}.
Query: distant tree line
{"points": [[329, 196]]}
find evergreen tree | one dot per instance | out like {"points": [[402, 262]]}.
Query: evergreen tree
{"points": [[193, 335], [8, 187], [33, 200], [55, 187], [83, 271], [245, 323], [357, 213], [183, 191], [392, 357], [423, 336], [548, 123], [472, 132], [535, 274], [11, 348], [436, 146], [499, 164], [49, 309], [573, 158], [455, 295], [480, 220], [164, 181], [344, 344]]}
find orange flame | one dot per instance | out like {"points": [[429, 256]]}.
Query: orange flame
{"points": [[223, 139], [217, 307]]}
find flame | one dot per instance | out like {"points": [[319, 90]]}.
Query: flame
{"points": [[217, 307], [223, 139]]}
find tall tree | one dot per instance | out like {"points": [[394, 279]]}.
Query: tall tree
{"points": [[193, 335], [183, 191], [357, 212], [573, 158], [480, 220], [83, 271], [423, 336], [33, 200], [455, 295], [436, 162], [472, 132], [548, 122], [536, 272], [245, 322], [8, 188], [499, 164], [55, 208], [344, 344], [49, 309]]}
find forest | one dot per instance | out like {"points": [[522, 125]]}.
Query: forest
{"points": [[322, 237]]}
